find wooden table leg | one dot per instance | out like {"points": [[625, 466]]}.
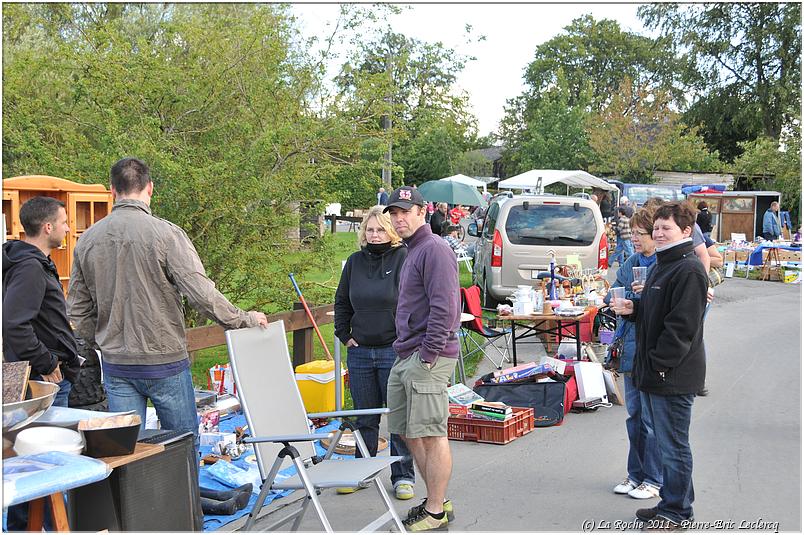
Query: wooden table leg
{"points": [[36, 513]]}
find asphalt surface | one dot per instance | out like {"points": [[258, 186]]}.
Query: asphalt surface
{"points": [[745, 436]]}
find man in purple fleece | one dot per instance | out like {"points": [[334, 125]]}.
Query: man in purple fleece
{"points": [[427, 319]]}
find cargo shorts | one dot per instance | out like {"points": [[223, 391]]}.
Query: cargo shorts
{"points": [[417, 397]]}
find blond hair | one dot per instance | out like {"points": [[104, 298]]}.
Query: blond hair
{"points": [[383, 220]]}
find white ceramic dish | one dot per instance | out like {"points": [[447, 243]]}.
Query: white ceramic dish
{"points": [[43, 439]]}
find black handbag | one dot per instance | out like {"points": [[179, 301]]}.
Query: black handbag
{"points": [[546, 398]]}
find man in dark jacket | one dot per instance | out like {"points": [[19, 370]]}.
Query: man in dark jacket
{"points": [[704, 219], [35, 325], [670, 365], [438, 219]]}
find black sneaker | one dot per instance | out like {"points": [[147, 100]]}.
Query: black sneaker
{"points": [[703, 392], [647, 514], [417, 510]]}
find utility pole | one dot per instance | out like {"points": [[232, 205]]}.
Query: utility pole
{"points": [[386, 119]]}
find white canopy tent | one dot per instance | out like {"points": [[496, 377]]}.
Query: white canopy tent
{"points": [[537, 179], [469, 181]]}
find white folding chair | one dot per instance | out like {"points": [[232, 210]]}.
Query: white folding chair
{"points": [[277, 422]]}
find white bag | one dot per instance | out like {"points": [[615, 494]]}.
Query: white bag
{"points": [[589, 376]]}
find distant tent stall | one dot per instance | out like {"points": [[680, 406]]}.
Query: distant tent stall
{"points": [[536, 179]]}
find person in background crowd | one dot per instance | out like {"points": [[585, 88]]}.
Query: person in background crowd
{"points": [[35, 324], [771, 230], [624, 248], [605, 205], [427, 320], [382, 197], [704, 219], [797, 235], [625, 203], [456, 214], [430, 211], [670, 365], [130, 271], [458, 247], [365, 306], [438, 219], [644, 477]]}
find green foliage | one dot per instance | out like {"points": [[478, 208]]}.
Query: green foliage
{"points": [[775, 166], [744, 61], [638, 133], [472, 163]]}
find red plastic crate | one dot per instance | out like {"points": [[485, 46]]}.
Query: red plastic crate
{"points": [[490, 431]]}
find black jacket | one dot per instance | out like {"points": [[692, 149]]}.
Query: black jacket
{"points": [[669, 325], [35, 325], [437, 222], [365, 302], [704, 220]]}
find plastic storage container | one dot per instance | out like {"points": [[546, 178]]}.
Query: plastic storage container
{"points": [[316, 381], [490, 431]]}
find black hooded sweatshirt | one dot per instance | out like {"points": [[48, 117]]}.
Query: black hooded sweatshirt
{"points": [[35, 324], [365, 302]]}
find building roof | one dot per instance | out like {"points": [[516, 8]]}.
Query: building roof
{"points": [[679, 178], [491, 153]]}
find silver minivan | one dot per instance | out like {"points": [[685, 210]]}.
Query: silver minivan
{"points": [[519, 230]]}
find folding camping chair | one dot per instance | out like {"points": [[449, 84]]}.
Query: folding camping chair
{"points": [[471, 305], [273, 405]]}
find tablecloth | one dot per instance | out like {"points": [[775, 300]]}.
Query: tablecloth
{"points": [[755, 258]]}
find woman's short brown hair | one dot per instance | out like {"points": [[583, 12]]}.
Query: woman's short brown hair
{"points": [[678, 211], [643, 219]]}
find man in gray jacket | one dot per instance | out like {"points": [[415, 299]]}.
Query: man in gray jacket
{"points": [[129, 273]]}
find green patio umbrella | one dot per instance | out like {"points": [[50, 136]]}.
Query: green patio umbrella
{"points": [[451, 192]]}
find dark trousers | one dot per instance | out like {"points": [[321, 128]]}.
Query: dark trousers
{"points": [[369, 368]]}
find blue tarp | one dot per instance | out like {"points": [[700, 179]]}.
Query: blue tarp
{"points": [[228, 425]]}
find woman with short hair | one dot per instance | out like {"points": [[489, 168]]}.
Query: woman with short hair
{"points": [[670, 365], [365, 312]]}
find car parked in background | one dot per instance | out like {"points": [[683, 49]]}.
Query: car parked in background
{"points": [[519, 230], [639, 193]]}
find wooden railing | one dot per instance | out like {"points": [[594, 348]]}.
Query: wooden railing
{"points": [[296, 322]]}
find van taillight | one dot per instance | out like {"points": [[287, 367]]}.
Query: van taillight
{"points": [[603, 252], [496, 250]]}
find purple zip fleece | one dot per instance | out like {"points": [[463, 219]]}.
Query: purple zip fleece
{"points": [[429, 308]]}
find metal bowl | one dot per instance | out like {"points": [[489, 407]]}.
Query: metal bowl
{"points": [[39, 398]]}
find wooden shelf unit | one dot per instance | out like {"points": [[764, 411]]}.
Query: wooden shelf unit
{"points": [[85, 205]]}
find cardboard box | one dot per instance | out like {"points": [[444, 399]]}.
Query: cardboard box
{"points": [[791, 276]]}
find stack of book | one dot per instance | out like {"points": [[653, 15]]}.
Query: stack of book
{"points": [[490, 410], [460, 398]]}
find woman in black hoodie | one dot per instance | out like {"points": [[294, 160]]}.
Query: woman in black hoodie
{"points": [[670, 365], [365, 310]]}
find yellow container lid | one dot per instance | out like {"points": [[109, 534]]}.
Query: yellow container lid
{"points": [[316, 366]]}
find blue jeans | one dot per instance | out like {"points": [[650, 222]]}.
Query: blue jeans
{"points": [[172, 397], [369, 368], [622, 251], [671, 424], [643, 453]]}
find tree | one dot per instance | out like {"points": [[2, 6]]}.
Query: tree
{"points": [[638, 133], [216, 98], [594, 57], [747, 53]]}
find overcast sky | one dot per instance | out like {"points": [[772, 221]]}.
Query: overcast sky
{"points": [[512, 33]]}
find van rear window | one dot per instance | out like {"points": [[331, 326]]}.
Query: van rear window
{"points": [[551, 225]]}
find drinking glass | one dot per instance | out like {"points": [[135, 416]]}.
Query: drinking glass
{"points": [[640, 275]]}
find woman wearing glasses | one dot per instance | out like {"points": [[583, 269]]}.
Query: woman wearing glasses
{"points": [[365, 309], [644, 477]]}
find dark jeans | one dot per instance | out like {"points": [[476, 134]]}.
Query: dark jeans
{"points": [[671, 424], [369, 368], [643, 453], [17, 519], [172, 397]]}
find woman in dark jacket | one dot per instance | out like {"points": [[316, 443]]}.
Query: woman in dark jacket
{"points": [[670, 364], [704, 219], [365, 310]]}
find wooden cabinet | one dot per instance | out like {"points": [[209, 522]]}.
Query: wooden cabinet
{"points": [[85, 204]]}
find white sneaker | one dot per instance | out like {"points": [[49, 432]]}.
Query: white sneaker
{"points": [[625, 487], [644, 491]]}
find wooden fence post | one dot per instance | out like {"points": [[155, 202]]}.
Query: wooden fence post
{"points": [[302, 342]]}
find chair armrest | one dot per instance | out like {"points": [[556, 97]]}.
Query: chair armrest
{"points": [[288, 438], [358, 412]]}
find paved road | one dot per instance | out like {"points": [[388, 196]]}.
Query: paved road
{"points": [[746, 440]]}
